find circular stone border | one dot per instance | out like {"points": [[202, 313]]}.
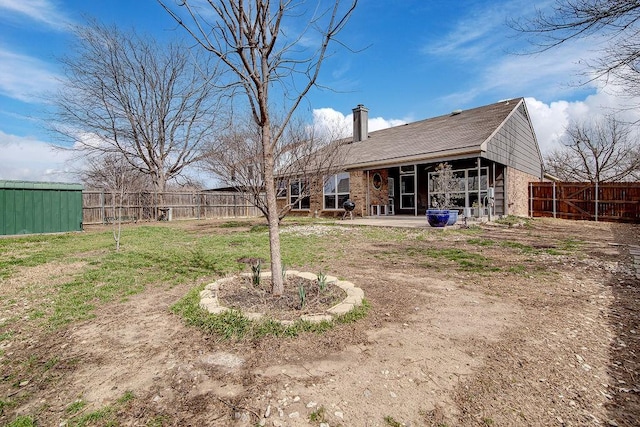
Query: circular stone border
{"points": [[209, 297]]}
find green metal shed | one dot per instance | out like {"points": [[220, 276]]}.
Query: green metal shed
{"points": [[39, 207]]}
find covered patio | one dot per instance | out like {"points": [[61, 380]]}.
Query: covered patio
{"points": [[397, 221]]}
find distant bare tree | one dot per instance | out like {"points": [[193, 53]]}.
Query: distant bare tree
{"points": [[616, 22], [301, 154], [266, 56], [151, 104], [110, 171], [597, 152], [112, 174]]}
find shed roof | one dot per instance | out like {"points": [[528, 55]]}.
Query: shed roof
{"points": [[453, 134], [36, 185]]}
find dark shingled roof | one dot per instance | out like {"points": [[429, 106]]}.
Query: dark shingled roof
{"points": [[456, 133]]}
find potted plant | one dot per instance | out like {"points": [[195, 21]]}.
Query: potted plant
{"points": [[443, 185], [478, 209]]}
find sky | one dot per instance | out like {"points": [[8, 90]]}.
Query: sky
{"points": [[406, 61]]}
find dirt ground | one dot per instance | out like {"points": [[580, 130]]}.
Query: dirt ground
{"points": [[552, 338]]}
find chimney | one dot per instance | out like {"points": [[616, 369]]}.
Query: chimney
{"points": [[360, 123]]}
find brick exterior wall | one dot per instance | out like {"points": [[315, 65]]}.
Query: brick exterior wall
{"points": [[358, 191], [381, 196], [357, 194], [518, 191], [315, 200], [359, 187]]}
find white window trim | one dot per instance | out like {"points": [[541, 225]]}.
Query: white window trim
{"points": [[280, 194], [337, 194], [466, 190], [297, 206], [413, 176]]}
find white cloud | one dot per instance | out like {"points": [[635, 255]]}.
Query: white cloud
{"points": [[328, 122], [25, 78], [550, 120], [28, 159], [499, 60], [471, 36], [480, 33], [43, 11], [377, 123], [494, 67], [334, 124], [554, 73]]}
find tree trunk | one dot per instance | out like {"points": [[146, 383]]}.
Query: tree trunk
{"points": [[277, 288], [277, 282], [159, 184]]}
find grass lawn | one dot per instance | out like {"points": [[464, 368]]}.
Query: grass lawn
{"points": [[150, 255], [77, 316]]}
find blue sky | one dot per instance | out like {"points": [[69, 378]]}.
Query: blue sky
{"points": [[414, 59]]}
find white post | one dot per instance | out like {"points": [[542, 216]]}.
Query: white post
{"points": [[480, 204], [415, 190]]}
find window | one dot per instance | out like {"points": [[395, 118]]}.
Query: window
{"points": [[473, 179], [408, 169], [299, 194], [377, 181], [466, 187], [336, 190], [281, 189]]}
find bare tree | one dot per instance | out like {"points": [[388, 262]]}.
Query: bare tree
{"points": [[112, 174], [110, 171], [302, 155], [617, 23], [249, 37], [604, 150], [444, 183], [149, 103]]}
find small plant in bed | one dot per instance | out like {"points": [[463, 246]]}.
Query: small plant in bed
{"points": [[322, 282], [299, 297]]}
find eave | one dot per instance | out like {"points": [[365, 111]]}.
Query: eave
{"points": [[425, 157]]}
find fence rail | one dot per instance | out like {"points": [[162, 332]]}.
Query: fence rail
{"points": [[616, 202], [103, 207]]}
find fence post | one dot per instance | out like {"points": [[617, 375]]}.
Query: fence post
{"points": [[596, 201], [531, 199], [102, 209], [235, 206], [554, 199]]}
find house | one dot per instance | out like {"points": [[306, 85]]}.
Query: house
{"points": [[492, 149]]}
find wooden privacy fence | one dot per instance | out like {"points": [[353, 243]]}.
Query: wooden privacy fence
{"points": [[617, 202], [104, 207]]}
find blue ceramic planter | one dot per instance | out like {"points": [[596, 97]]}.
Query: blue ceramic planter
{"points": [[437, 217], [453, 216]]}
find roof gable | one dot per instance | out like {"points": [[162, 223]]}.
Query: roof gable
{"points": [[514, 143], [448, 135]]}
